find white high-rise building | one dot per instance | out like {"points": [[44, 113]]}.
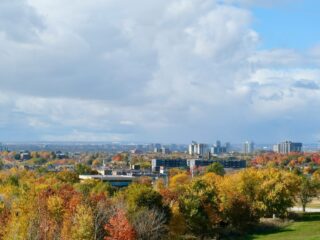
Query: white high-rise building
{"points": [[248, 147], [192, 148], [198, 148], [287, 147], [276, 148]]}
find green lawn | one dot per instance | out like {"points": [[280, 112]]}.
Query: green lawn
{"points": [[305, 228]]}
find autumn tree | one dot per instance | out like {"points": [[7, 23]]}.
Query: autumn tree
{"points": [[248, 183], [150, 224], [141, 196], [308, 189], [278, 191], [68, 177], [56, 209], [199, 206], [119, 227], [236, 209], [68, 218], [102, 210], [177, 225], [88, 186], [83, 227], [145, 180], [178, 182]]}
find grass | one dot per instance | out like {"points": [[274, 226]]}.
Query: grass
{"points": [[306, 227]]}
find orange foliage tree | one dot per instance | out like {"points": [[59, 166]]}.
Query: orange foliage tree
{"points": [[119, 227]]}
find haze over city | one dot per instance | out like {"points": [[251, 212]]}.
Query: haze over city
{"points": [[161, 71]]}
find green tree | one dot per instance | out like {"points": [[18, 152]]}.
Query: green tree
{"points": [[199, 206], [102, 188], [216, 168], [85, 187], [82, 169], [67, 177], [141, 196]]}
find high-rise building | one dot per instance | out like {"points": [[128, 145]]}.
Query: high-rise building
{"points": [[219, 149], [193, 148], [276, 148], [157, 150], [165, 150], [157, 145], [248, 147], [202, 149], [287, 147], [198, 148], [228, 147]]}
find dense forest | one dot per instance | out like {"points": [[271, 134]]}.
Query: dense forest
{"points": [[45, 205]]}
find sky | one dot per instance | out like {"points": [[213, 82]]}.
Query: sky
{"points": [[166, 71]]}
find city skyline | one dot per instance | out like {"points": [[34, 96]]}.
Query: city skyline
{"points": [[159, 71]]}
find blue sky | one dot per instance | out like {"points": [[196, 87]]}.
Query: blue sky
{"points": [[288, 25], [160, 70]]}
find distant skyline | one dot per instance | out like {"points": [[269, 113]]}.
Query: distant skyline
{"points": [[160, 71]]}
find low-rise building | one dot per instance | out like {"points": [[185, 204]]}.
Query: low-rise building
{"points": [[168, 163], [114, 180], [25, 155], [229, 163]]}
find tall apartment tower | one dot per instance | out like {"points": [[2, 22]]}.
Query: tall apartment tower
{"points": [[198, 148], [193, 148], [287, 147], [248, 147], [202, 149]]}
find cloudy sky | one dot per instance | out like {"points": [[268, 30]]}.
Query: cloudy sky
{"points": [[159, 70]]}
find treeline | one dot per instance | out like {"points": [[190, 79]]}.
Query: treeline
{"points": [[58, 206], [300, 162]]}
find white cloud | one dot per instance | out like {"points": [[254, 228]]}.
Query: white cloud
{"points": [[144, 70], [127, 122], [276, 92], [19, 21], [260, 3]]}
